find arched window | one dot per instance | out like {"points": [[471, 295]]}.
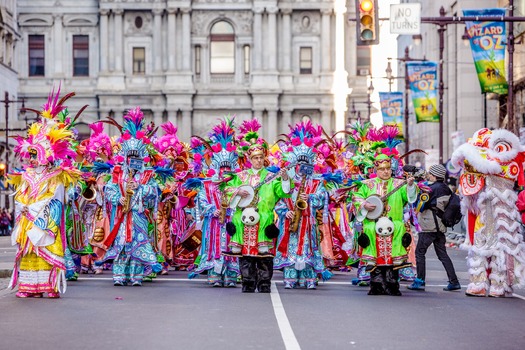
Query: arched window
{"points": [[222, 48]]}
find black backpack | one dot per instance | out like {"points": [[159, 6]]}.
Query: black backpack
{"points": [[452, 213]]}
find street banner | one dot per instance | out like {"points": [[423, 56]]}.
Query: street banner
{"points": [[488, 42], [423, 84], [392, 109]]}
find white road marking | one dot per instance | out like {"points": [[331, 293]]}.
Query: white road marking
{"points": [[290, 341]]}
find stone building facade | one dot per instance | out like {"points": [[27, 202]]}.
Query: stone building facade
{"points": [[192, 61]]}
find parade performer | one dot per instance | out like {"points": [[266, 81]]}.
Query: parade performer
{"points": [[133, 193], [173, 218], [96, 219], [384, 238], [252, 227], [298, 252], [492, 161], [39, 232], [212, 201]]}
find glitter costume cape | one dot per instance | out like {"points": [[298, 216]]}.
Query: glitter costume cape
{"points": [[39, 235]]}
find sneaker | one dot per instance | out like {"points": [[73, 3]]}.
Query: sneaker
{"points": [[230, 285], [118, 283], [452, 286], [137, 284], [289, 285], [418, 284]]}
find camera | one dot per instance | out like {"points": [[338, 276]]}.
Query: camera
{"points": [[414, 171]]}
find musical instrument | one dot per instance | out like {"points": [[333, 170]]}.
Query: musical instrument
{"points": [[192, 238], [379, 202], [238, 202], [299, 206], [89, 194], [129, 193], [224, 208]]}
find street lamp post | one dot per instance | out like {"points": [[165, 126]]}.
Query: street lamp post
{"points": [[6, 102], [369, 92]]}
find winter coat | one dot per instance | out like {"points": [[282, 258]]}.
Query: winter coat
{"points": [[438, 200]]}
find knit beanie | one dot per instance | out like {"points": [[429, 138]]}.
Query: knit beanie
{"points": [[438, 171]]}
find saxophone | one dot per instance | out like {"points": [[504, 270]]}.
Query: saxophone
{"points": [[300, 206], [224, 208], [129, 194]]}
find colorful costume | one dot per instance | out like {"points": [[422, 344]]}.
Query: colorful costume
{"points": [[298, 252], [492, 161], [213, 206], [252, 228], [39, 230], [133, 193]]}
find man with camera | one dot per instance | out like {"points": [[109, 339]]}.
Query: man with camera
{"points": [[433, 230]]}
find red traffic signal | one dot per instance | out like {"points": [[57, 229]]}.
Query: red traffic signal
{"points": [[367, 22]]}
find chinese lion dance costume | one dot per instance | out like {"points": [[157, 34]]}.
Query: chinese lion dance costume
{"points": [[492, 162]]}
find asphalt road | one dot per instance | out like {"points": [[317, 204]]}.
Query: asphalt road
{"points": [[176, 313]]}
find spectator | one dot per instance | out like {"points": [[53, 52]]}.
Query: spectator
{"points": [[5, 222], [433, 230]]}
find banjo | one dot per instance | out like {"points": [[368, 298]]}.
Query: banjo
{"points": [[238, 202], [379, 202]]}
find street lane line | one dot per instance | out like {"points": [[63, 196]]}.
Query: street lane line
{"points": [[290, 341], [518, 296]]}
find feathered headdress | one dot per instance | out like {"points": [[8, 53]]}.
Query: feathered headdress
{"points": [[218, 151], [134, 139], [99, 142], [51, 139], [250, 142], [303, 139], [170, 146]]}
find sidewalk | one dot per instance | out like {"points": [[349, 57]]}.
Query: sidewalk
{"points": [[7, 256]]}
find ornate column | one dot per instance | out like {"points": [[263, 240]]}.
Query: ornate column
{"points": [[205, 63], [111, 48], [272, 38], [186, 127], [171, 39], [285, 121], [239, 63], [103, 34], [157, 34], [59, 39], [326, 121], [186, 40], [257, 39], [271, 127], [157, 116], [118, 40], [287, 40], [326, 56]]}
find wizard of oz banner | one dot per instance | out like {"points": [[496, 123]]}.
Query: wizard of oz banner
{"points": [[488, 41], [423, 88], [392, 109]]}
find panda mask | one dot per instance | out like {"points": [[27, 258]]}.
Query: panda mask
{"points": [[250, 216]]}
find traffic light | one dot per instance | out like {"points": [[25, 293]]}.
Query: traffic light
{"points": [[367, 22]]}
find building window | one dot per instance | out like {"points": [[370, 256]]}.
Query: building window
{"points": [[36, 55], [222, 48], [139, 60], [305, 60], [198, 59], [80, 55], [246, 59]]}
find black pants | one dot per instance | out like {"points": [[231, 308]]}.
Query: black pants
{"points": [[438, 239], [256, 273]]}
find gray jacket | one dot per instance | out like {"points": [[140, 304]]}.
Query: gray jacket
{"points": [[426, 217]]}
